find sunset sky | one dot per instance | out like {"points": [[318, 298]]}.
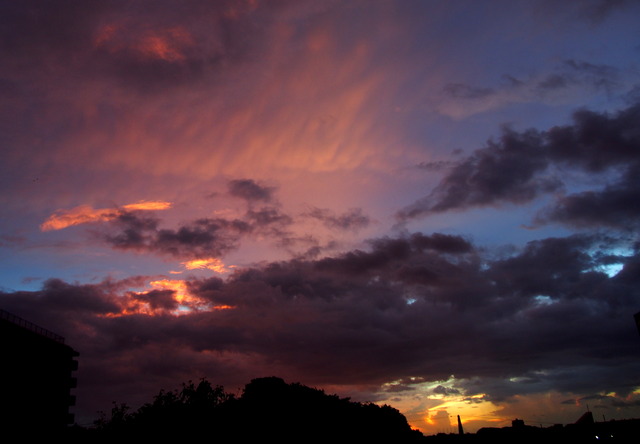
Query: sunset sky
{"points": [[429, 204]]}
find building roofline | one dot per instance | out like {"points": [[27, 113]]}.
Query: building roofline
{"points": [[5, 315]]}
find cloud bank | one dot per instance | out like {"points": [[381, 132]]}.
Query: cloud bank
{"points": [[425, 306], [520, 167]]}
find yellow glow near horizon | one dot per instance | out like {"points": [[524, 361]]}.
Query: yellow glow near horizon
{"points": [[434, 411], [471, 409]]}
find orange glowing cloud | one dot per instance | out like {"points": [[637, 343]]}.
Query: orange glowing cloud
{"points": [[178, 286], [167, 44], [212, 263], [187, 300], [165, 296], [83, 214], [317, 127], [148, 205]]}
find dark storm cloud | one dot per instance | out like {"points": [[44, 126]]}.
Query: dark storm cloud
{"points": [[159, 299], [145, 46], [446, 391], [204, 237], [419, 306], [249, 190], [522, 166], [268, 216], [615, 206], [200, 238], [442, 243], [417, 258], [63, 297], [354, 219], [597, 141], [135, 231], [544, 266], [507, 170]]}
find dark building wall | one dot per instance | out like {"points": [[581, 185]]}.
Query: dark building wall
{"points": [[36, 377]]}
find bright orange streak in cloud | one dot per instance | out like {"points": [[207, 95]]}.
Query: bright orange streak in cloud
{"points": [[84, 214], [132, 302], [148, 205], [75, 216], [183, 296], [180, 287], [212, 263]]}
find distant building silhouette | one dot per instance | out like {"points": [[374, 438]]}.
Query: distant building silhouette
{"points": [[36, 377], [585, 419]]}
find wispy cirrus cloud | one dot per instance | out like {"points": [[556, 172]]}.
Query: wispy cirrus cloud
{"points": [[352, 220], [556, 85]]}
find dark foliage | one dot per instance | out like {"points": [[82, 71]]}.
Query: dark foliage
{"points": [[269, 408]]}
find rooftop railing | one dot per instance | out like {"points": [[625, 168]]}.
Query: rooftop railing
{"points": [[30, 326]]}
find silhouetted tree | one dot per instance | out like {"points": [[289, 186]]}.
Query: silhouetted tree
{"points": [[269, 408], [295, 412], [188, 412], [118, 418]]}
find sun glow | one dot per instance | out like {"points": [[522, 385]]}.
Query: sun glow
{"points": [[472, 409], [433, 406]]}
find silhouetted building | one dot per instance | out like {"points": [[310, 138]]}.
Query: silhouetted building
{"points": [[36, 377], [585, 419]]}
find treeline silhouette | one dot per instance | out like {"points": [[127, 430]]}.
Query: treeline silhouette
{"points": [[268, 408]]}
